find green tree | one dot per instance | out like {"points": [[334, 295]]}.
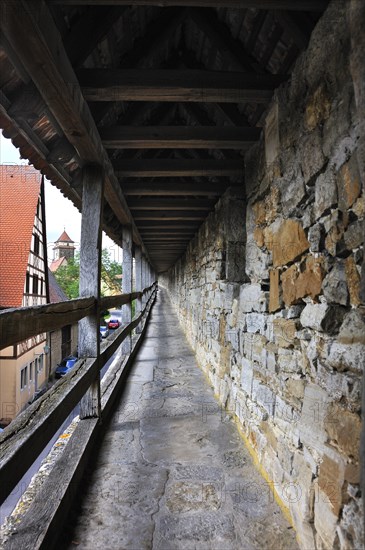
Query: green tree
{"points": [[68, 276]]}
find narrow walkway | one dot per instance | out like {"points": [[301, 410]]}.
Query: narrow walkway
{"points": [[172, 472]]}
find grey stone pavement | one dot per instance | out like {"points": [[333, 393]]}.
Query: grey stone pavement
{"points": [[172, 471]]}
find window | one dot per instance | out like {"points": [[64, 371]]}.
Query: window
{"points": [[27, 283], [23, 378], [30, 371], [36, 245], [41, 287], [40, 363], [35, 284]]}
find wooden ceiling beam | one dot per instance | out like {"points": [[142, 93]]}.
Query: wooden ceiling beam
{"points": [[173, 189], [171, 215], [177, 85], [164, 168], [305, 5], [178, 137], [190, 205]]}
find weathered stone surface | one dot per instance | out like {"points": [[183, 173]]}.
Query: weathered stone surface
{"points": [[321, 317], [325, 193], [348, 182], [307, 282], [284, 332], [354, 236], [311, 155], [330, 481], [353, 281], [288, 242], [252, 298], [318, 107], [335, 286], [343, 428], [292, 194], [352, 330], [316, 237], [274, 300]]}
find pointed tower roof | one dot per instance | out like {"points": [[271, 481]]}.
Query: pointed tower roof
{"points": [[64, 238]]}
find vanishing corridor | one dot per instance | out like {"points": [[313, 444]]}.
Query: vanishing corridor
{"points": [[172, 471]]}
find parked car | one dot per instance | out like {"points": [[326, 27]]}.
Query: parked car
{"points": [[66, 364], [104, 331], [113, 323]]}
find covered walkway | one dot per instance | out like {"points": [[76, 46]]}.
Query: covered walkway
{"points": [[172, 471]]}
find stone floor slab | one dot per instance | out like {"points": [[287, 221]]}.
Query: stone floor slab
{"points": [[172, 471]]}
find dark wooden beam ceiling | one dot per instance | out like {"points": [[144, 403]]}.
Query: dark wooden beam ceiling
{"points": [[187, 85], [179, 137], [309, 5], [170, 189], [175, 167]]}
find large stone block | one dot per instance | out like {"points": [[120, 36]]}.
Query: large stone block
{"points": [[352, 330], [307, 281], [343, 428], [288, 242], [322, 317], [247, 375], [335, 286], [310, 155], [353, 281], [325, 193], [312, 420], [318, 107], [274, 299], [252, 298], [354, 236], [349, 183], [284, 332]]}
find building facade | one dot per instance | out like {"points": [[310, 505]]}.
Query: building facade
{"points": [[23, 282]]}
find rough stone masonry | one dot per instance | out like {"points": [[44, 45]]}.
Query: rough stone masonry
{"points": [[268, 292]]}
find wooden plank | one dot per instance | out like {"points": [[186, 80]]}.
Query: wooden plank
{"points": [[164, 168], [181, 85], [298, 5], [170, 215], [107, 302], [174, 189], [179, 137], [170, 204], [18, 324], [89, 284]]}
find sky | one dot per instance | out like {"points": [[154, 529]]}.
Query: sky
{"points": [[61, 214]]}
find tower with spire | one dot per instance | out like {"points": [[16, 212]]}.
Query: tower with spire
{"points": [[63, 250]]}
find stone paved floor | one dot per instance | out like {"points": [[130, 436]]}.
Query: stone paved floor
{"points": [[172, 472]]}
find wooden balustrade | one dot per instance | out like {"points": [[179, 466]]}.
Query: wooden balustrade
{"points": [[29, 433]]}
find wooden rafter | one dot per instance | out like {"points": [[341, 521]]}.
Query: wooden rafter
{"points": [[309, 5], [178, 137], [187, 85], [176, 167]]}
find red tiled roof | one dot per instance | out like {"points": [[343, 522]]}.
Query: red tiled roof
{"points": [[64, 238], [19, 192], [56, 264]]}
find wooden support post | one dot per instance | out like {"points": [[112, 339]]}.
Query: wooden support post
{"points": [[144, 279], [127, 284], [139, 287], [90, 268]]}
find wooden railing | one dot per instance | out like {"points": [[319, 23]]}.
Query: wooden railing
{"points": [[25, 438]]}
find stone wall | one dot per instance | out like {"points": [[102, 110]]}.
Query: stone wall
{"points": [[269, 291]]}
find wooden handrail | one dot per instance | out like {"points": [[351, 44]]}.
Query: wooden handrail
{"points": [[18, 324], [28, 434]]}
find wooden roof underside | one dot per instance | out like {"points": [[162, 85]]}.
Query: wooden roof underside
{"points": [[167, 99]]}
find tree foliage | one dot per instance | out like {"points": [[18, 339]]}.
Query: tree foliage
{"points": [[68, 276]]}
